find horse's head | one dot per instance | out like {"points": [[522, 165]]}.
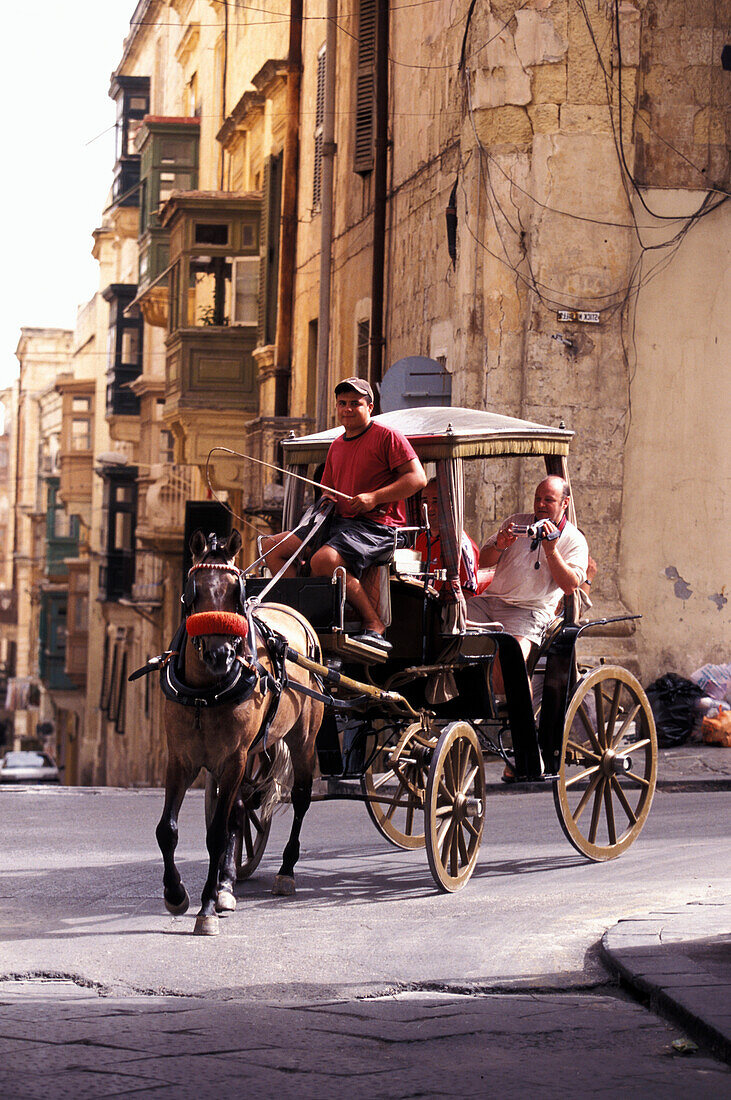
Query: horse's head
{"points": [[214, 601]]}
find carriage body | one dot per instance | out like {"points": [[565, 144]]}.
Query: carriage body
{"points": [[421, 773]]}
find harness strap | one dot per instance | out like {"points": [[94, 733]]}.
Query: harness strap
{"points": [[323, 511]]}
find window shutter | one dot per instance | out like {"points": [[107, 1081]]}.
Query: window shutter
{"points": [[269, 262], [319, 125], [365, 87], [245, 290]]}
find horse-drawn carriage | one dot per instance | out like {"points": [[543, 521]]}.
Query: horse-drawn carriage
{"points": [[406, 729]]}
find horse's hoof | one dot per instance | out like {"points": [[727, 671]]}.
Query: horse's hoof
{"points": [[206, 926], [180, 908], [283, 886], [225, 903]]}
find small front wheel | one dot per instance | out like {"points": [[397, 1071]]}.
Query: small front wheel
{"points": [[394, 790], [606, 781], [455, 807], [253, 833]]}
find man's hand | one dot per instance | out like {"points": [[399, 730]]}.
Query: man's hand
{"points": [[505, 537], [363, 502], [550, 531], [450, 591]]}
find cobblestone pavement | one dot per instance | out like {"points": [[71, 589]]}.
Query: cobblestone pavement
{"points": [[59, 1040]]}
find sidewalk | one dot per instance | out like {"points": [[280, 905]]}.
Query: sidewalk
{"points": [[690, 767], [679, 962]]}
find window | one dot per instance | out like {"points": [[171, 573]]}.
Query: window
{"points": [[319, 126], [365, 87], [124, 350], [362, 348], [312, 337], [62, 524], [246, 290], [269, 269], [167, 446], [211, 234]]}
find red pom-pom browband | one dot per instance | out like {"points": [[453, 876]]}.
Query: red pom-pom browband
{"points": [[216, 622]]}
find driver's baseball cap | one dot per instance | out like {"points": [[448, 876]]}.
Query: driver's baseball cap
{"points": [[358, 384]]}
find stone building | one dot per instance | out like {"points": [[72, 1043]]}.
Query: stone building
{"points": [[555, 234]]}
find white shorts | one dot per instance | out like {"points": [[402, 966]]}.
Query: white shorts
{"points": [[521, 622]]}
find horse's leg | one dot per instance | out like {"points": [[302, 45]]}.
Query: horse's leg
{"points": [[217, 837], [303, 764], [301, 798], [226, 901], [177, 781]]}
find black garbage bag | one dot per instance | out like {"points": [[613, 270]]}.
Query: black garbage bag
{"points": [[673, 700]]}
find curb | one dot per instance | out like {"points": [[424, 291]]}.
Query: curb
{"points": [[677, 990], [672, 786]]}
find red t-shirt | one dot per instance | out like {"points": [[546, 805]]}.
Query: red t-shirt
{"points": [[365, 464]]}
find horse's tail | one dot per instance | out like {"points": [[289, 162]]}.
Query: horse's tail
{"points": [[279, 780]]}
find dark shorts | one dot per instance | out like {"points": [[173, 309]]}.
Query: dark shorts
{"points": [[360, 542]]}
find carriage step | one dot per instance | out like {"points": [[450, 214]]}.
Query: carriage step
{"points": [[347, 646]]}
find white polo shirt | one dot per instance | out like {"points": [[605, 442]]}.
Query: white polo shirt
{"points": [[518, 582]]}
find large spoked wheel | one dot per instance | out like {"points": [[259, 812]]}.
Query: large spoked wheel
{"points": [[395, 789], [455, 807], [252, 836], [606, 780]]}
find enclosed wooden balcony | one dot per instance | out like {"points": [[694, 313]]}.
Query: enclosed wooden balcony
{"points": [[76, 454], [211, 388], [77, 622]]}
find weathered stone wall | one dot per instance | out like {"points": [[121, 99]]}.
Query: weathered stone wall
{"points": [[546, 221], [684, 122]]}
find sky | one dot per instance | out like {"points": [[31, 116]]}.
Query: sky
{"points": [[55, 65]]}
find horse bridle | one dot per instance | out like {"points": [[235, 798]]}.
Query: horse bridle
{"points": [[215, 622]]}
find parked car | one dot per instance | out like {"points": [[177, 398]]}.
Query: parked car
{"points": [[28, 767]]}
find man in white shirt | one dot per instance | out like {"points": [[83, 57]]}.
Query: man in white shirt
{"points": [[531, 574]]}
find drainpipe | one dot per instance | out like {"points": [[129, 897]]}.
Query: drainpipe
{"points": [[380, 192], [288, 237], [326, 215]]}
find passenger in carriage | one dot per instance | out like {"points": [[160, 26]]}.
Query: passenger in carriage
{"points": [[529, 582], [377, 468], [468, 566]]}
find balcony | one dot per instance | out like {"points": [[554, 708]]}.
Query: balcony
{"points": [[149, 579], [132, 96], [211, 389], [76, 456], [62, 533], [168, 149], [124, 361], [117, 569], [163, 494], [77, 625], [263, 492], [52, 640]]}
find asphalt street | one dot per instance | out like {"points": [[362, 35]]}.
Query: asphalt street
{"points": [[80, 879], [366, 981]]}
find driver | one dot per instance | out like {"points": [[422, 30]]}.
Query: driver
{"points": [[377, 468], [530, 579]]}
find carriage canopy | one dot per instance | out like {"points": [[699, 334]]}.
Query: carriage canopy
{"points": [[445, 435]]}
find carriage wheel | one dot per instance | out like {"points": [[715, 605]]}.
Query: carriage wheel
{"points": [[251, 840], [606, 780], [395, 795], [455, 807]]}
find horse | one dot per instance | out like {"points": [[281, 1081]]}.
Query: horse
{"points": [[228, 696]]}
